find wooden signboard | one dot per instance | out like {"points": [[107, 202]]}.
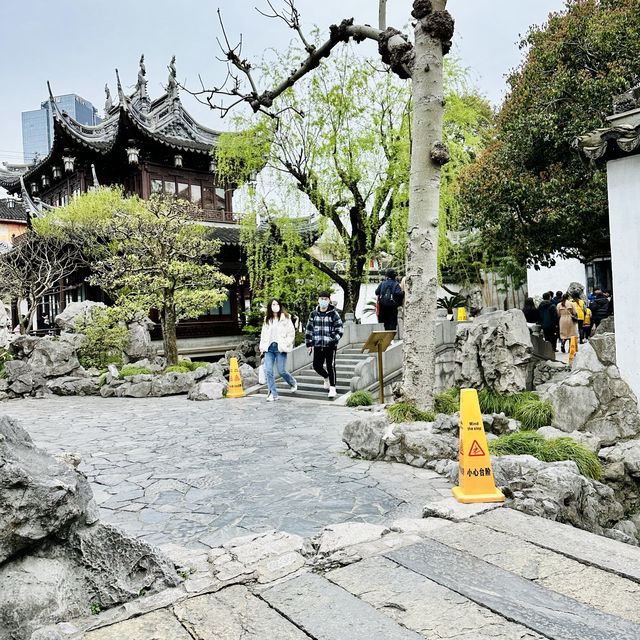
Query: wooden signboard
{"points": [[379, 342]]}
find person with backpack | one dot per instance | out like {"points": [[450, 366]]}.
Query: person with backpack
{"points": [[580, 306], [599, 308], [390, 297], [323, 332], [549, 319], [586, 325]]}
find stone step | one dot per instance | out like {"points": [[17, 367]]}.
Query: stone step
{"points": [[599, 589], [588, 548], [546, 612], [326, 612], [283, 386], [402, 595], [305, 395]]}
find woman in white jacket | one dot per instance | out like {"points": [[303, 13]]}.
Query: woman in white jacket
{"points": [[276, 340]]}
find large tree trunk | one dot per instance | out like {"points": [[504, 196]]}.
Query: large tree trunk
{"points": [[355, 270], [427, 156], [169, 336]]}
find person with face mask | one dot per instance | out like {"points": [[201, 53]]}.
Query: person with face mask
{"points": [[276, 340], [323, 332]]}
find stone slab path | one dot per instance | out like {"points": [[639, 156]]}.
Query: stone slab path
{"points": [[170, 470]]}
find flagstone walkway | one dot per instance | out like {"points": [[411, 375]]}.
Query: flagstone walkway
{"points": [[200, 473]]}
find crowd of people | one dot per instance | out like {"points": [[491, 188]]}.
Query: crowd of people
{"points": [[564, 316]]}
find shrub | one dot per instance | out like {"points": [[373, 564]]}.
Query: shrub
{"points": [[553, 450], [197, 364], [447, 401], [533, 413], [360, 399], [105, 338], [102, 379], [406, 411], [178, 368], [5, 356], [131, 370]]}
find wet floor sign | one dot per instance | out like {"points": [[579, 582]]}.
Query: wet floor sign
{"points": [[475, 482], [235, 389]]}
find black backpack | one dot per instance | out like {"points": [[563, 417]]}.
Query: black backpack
{"points": [[386, 295]]}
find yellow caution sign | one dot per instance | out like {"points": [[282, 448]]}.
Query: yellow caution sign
{"points": [[235, 389], [461, 314], [573, 348], [476, 483]]}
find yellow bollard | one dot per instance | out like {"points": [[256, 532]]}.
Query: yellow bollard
{"points": [[475, 481], [462, 314], [573, 348], [235, 389]]}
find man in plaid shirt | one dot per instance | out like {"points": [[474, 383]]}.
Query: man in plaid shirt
{"points": [[324, 330]]}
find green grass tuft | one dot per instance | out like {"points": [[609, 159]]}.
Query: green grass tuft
{"points": [[405, 411], [447, 401], [360, 399], [558, 449], [197, 364], [177, 368], [533, 413], [130, 370], [517, 444], [553, 450]]}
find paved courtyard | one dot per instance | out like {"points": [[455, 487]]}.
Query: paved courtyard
{"points": [[200, 473]]}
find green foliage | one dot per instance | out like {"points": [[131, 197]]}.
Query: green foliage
{"points": [[196, 364], [102, 379], [105, 338], [529, 194], [131, 370], [95, 608], [182, 367], [360, 399], [451, 302], [407, 411], [509, 404], [447, 401], [5, 356], [533, 413], [553, 450]]}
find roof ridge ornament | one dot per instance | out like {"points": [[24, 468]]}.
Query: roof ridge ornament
{"points": [[172, 84], [108, 103], [141, 85], [121, 97]]}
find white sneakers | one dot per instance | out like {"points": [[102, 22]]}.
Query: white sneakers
{"points": [[326, 383], [271, 398], [332, 392], [295, 387]]}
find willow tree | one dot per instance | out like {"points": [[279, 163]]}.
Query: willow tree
{"points": [[338, 152], [422, 62]]}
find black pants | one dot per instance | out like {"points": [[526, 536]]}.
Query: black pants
{"points": [[551, 335], [389, 317], [325, 356], [581, 330]]}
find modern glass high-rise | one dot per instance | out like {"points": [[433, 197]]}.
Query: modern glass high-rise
{"points": [[37, 126]]}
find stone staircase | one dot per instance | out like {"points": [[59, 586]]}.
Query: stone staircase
{"points": [[310, 384]]}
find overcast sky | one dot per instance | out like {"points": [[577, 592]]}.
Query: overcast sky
{"points": [[77, 45]]}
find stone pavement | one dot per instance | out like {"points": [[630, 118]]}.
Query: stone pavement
{"points": [[170, 470], [480, 577]]}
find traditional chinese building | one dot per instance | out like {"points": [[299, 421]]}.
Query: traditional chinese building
{"points": [[146, 146]]}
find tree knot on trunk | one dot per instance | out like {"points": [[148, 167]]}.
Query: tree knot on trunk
{"points": [[440, 154], [400, 56], [440, 25], [340, 32], [421, 9]]}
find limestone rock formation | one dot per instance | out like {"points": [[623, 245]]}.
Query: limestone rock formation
{"points": [[139, 341], [4, 328], [76, 311], [494, 351], [212, 388], [56, 561], [593, 398]]}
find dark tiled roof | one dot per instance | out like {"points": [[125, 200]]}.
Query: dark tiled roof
{"points": [[229, 235], [16, 212]]}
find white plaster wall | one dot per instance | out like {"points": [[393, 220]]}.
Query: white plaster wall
{"points": [[556, 278], [623, 177]]}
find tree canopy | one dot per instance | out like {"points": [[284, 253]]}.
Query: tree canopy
{"points": [[529, 194]]}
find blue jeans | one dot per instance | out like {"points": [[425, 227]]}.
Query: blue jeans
{"points": [[280, 358]]}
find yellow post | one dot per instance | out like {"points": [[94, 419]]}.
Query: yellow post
{"points": [[462, 314], [475, 481], [573, 348], [235, 389]]}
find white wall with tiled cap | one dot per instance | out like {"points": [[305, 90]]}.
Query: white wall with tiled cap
{"points": [[623, 177]]}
